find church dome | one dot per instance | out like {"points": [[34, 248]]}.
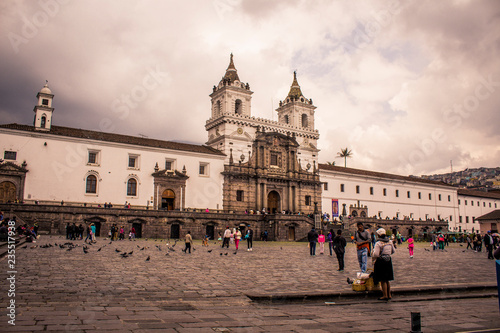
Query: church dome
{"points": [[46, 90]]}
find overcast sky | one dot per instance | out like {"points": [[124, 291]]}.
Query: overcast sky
{"points": [[407, 85]]}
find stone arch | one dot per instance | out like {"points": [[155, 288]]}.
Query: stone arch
{"points": [[168, 199]]}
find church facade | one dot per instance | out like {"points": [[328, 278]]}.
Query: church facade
{"points": [[247, 165]]}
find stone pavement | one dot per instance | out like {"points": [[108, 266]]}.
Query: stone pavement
{"points": [[70, 291]]}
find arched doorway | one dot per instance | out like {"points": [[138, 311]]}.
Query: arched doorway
{"points": [[168, 200], [175, 231], [7, 192], [138, 229], [210, 231], [273, 202]]}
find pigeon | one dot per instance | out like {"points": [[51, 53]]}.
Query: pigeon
{"points": [[159, 248], [34, 246], [220, 253], [166, 254], [143, 248], [124, 255], [85, 250], [225, 254], [69, 249], [350, 281], [25, 246], [209, 251], [130, 253], [171, 249], [235, 252], [148, 258], [99, 249], [461, 245], [426, 249], [118, 250], [110, 243]]}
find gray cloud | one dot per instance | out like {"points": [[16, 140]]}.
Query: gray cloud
{"points": [[384, 78]]}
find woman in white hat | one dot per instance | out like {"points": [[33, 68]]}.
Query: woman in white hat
{"points": [[383, 271]]}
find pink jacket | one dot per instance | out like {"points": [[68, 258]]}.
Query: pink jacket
{"points": [[321, 238]]}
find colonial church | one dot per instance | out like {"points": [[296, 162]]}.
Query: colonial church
{"points": [[247, 165]]}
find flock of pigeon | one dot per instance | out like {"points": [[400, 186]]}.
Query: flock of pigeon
{"points": [[69, 246]]}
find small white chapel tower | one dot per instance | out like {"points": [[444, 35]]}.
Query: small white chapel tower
{"points": [[43, 110]]}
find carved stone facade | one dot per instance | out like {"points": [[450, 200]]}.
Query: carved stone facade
{"points": [[272, 179], [12, 179], [169, 189]]}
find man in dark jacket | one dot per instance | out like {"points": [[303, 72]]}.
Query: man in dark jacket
{"points": [[488, 243], [339, 244], [312, 237]]}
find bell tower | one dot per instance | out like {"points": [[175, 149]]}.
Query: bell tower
{"points": [[43, 110], [231, 104]]}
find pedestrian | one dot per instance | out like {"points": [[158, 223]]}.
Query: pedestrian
{"points": [[219, 238], [383, 271], [441, 242], [321, 241], [89, 234], [81, 229], [312, 237], [237, 238], [227, 236], [132, 233], [362, 238], [330, 238], [339, 244], [265, 236], [231, 236], [488, 244], [93, 228], [469, 243], [249, 238], [411, 245], [189, 241], [122, 233]]}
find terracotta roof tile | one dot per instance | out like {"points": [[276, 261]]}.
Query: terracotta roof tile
{"points": [[118, 138], [380, 174]]}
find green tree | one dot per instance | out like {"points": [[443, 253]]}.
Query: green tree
{"points": [[345, 153], [331, 163]]}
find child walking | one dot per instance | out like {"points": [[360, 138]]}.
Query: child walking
{"points": [[411, 246], [321, 240]]}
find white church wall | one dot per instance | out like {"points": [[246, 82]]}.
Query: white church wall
{"points": [[58, 167], [471, 207], [442, 203]]}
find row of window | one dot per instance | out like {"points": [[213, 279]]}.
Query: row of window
{"points": [[460, 219], [91, 186], [384, 192], [478, 203]]}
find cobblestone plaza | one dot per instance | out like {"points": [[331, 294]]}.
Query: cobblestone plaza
{"points": [[100, 291]]}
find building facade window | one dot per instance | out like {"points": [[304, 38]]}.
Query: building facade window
{"points": [[384, 191], [466, 202], [371, 190], [460, 219], [439, 197], [10, 155], [43, 121], [472, 203], [274, 159], [132, 187], [466, 219], [357, 189], [169, 165], [45, 101], [342, 188], [408, 194], [91, 184], [449, 198], [239, 195], [325, 186], [397, 193], [308, 200], [430, 196], [133, 161], [203, 169], [304, 120], [420, 195], [93, 157]]}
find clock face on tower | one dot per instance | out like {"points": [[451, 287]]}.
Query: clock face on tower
{"points": [[240, 130]]}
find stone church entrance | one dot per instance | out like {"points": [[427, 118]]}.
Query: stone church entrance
{"points": [[7, 192], [168, 200], [273, 202]]}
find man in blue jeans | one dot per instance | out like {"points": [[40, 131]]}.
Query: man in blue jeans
{"points": [[362, 239], [312, 237]]}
